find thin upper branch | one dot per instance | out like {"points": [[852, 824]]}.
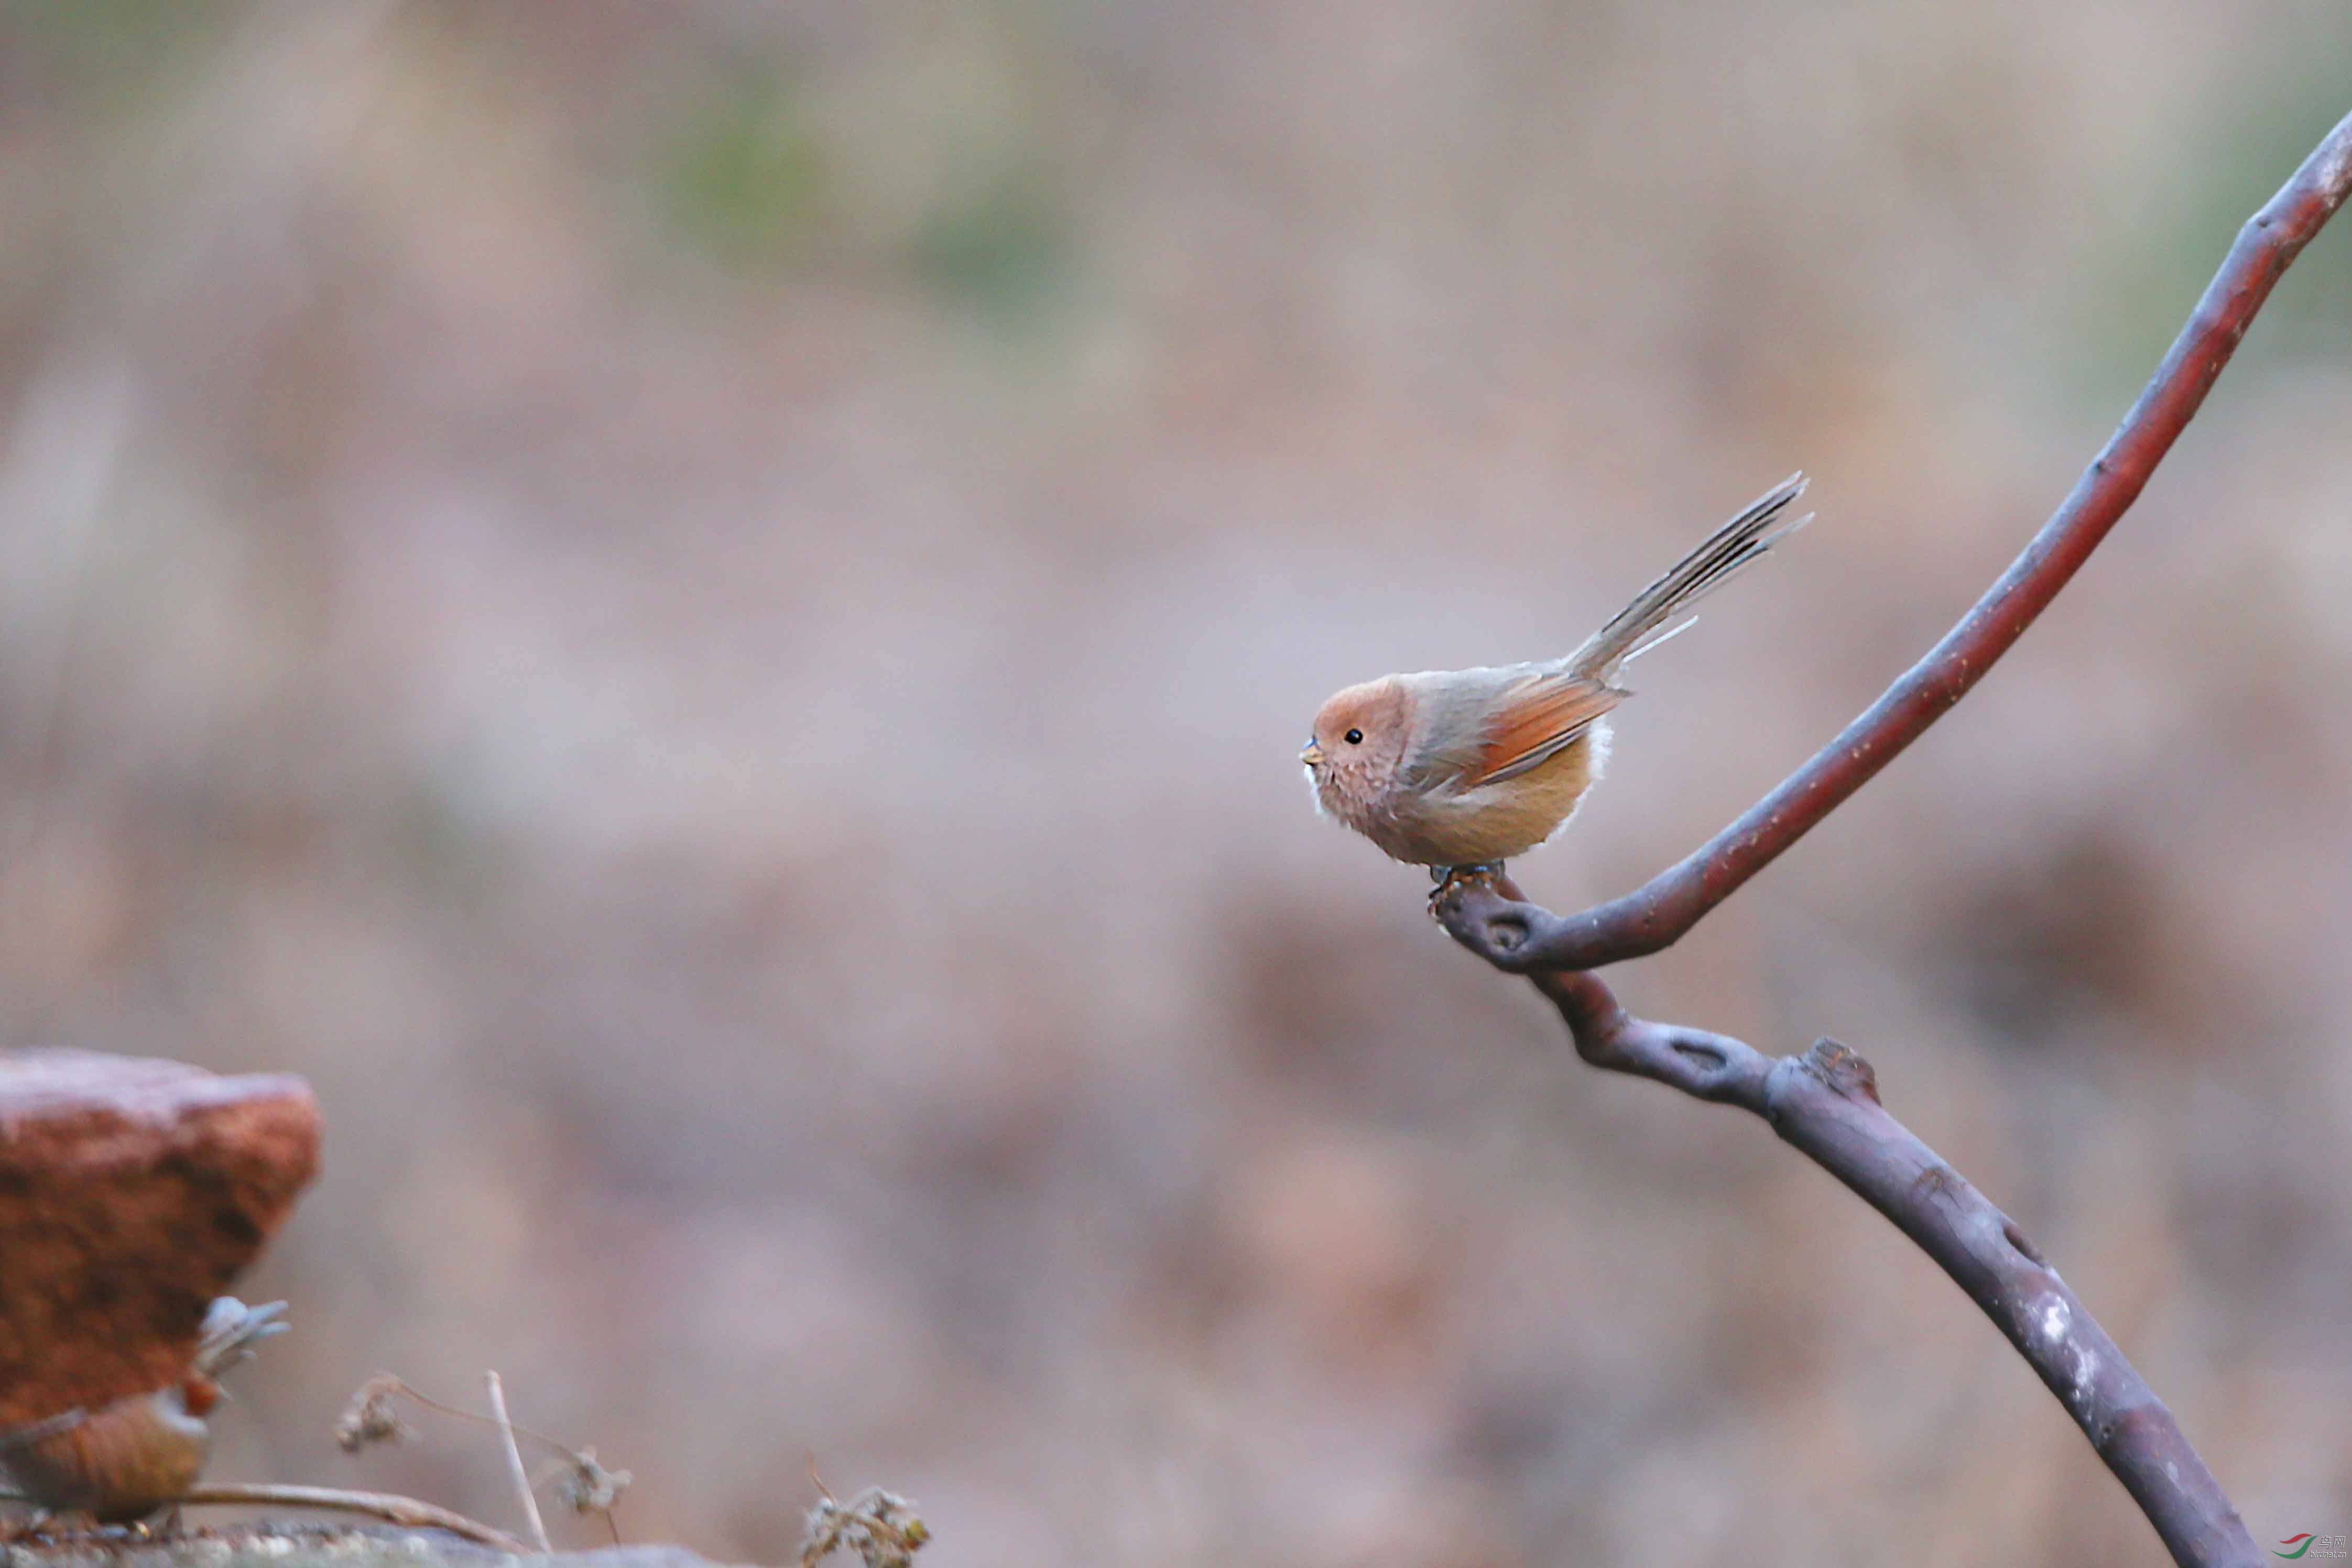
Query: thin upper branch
{"points": [[1656, 916], [1826, 1104]]}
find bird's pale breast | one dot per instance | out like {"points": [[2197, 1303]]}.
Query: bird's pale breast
{"points": [[1489, 823]]}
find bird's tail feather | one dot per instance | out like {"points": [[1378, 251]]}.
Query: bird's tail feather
{"points": [[231, 1331], [1733, 547]]}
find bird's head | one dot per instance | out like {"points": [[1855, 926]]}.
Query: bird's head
{"points": [[1357, 742]]}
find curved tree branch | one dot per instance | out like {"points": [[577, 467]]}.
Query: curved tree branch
{"points": [[1825, 1102], [1657, 915]]}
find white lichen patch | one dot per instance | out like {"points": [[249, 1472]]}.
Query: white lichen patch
{"points": [[2053, 1317], [2086, 1371], [2336, 170]]}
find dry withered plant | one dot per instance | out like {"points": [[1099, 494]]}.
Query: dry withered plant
{"points": [[580, 1481], [880, 1525]]}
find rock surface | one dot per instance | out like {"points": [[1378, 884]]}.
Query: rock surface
{"points": [[132, 1191]]}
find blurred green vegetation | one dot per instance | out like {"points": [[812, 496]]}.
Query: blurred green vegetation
{"points": [[999, 244], [2188, 217], [748, 176], [743, 177], [113, 51]]}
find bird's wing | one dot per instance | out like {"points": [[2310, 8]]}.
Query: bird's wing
{"points": [[1535, 720], [35, 1431]]}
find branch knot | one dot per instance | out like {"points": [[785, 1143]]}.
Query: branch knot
{"points": [[1846, 1072]]}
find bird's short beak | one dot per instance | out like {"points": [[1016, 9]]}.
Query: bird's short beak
{"points": [[1312, 756]]}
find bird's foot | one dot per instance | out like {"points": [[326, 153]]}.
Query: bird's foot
{"points": [[1443, 879]]}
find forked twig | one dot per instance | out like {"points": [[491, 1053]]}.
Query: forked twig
{"points": [[1826, 1102], [583, 1482]]}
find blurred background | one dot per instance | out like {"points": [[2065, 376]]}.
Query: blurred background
{"points": [[703, 613]]}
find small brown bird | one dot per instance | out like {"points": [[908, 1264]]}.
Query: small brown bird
{"points": [[128, 1459], [1466, 768]]}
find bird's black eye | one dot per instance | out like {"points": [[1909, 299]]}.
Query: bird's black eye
{"points": [[1355, 737]]}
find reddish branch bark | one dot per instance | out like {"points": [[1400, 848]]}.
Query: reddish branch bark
{"points": [[1657, 915], [1826, 1102]]}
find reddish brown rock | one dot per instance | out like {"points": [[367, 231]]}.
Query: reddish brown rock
{"points": [[132, 1191]]}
